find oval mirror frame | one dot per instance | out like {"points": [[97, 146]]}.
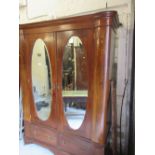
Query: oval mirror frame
{"points": [[41, 75], [74, 82]]}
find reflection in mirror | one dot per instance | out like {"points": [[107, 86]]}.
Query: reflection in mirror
{"points": [[75, 82], [41, 80]]}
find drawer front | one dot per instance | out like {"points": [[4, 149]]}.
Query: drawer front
{"points": [[44, 135], [75, 146]]}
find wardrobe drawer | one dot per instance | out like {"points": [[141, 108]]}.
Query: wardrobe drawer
{"points": [[44, 135], [75, 145]]}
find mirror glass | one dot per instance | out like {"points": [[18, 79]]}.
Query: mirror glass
{"points": [[74, 82], [41, 79]]}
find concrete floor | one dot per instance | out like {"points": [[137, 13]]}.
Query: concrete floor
{"points": [[32, 149]]}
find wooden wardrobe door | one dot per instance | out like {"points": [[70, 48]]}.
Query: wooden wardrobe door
{"points": [[86, 36], [50, 43]]}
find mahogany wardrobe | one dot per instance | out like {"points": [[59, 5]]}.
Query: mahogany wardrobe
{"points": [[65, 70]]}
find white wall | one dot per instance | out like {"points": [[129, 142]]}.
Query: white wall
{"points": [[38, 10]]}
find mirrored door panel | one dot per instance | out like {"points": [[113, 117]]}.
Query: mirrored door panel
{"points": [[41, 80], [75, 82]]}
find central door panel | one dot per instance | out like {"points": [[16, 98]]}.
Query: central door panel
{"points": [[41, 68], [74, 89]]}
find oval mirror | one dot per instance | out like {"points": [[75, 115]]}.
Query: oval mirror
{"points": [[74, 82], [41, 80]]}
